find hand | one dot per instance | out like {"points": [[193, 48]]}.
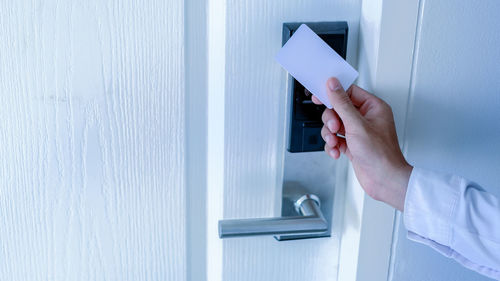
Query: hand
{"points": [[370, 143]]}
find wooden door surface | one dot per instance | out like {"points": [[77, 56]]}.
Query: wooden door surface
{"points": [[92, 140]]}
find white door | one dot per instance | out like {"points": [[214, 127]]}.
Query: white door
{"points": [[247, 162], [92, 162]]}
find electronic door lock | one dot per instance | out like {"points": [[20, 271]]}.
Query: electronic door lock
{"points": [[305, 116], [309, 179]]}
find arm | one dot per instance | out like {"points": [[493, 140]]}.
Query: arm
{"points": [[452, 215], [456, 217]]}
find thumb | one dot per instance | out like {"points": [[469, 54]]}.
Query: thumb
{"points": [[341, 102]]}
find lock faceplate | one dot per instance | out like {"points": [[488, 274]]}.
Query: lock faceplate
{"points": [[305, 119]]}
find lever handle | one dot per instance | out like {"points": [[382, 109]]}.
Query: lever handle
{"points": [[310, 222]]}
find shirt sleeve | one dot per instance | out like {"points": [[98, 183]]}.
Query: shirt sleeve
{"points": [[456, 217]]}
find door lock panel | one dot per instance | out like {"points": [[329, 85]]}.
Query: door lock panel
{"points": [[305, 120]]}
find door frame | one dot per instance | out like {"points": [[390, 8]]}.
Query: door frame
{"points": [[388, 31]]}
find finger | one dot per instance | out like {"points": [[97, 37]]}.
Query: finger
{"points": [[341, 131], [359, 96], [331, 120], [332, 152], [316, 100], [342, 146], [330, 139], [341, 103]]}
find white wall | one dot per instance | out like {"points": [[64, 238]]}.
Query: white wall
{"points": [[453, 119], [92, 140]]}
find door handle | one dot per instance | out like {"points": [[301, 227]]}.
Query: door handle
{"points": [[309, 223]]}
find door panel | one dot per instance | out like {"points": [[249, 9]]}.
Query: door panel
{"points": [[254, 146], [92, 140]]}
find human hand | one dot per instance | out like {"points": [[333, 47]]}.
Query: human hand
{"points": [[370, 143]]}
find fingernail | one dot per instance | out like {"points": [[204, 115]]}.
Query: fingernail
{"points": [[334, 85], [328, 139], [331, 125]]}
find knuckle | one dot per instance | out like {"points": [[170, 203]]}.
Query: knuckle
{"points": [[343, 102], [326, 115], [386, 108], [389, 108], [324, 131], [381, 105], [378, 102]]}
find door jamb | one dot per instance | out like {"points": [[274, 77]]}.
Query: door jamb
{"points": [[387, 40]]}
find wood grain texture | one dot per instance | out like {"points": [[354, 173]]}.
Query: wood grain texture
{"points": [[92, 140], [254, 125]]}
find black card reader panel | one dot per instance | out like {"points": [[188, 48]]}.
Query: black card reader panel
{"points": [[305, 120]]}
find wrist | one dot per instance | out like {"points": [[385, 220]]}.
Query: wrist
{"points": [[397, 185]]}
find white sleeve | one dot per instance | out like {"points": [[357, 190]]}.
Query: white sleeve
{"points": [[456, 217]]}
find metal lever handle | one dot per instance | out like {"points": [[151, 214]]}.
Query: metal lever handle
{"points": [[310, 222]]}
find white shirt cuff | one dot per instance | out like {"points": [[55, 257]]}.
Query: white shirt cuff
{"points": [[432, 207], [431, 218]]}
